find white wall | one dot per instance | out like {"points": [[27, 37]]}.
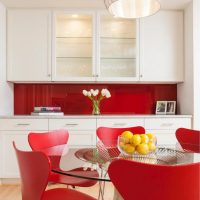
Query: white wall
{"points": [[6, 89], [196, 62], [189, 91], [185, 90]]}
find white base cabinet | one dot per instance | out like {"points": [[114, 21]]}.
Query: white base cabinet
{"points": [[165, 128], [82, 130], [9, 164], [16, 130]]}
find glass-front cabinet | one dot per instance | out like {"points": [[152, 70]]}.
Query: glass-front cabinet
{"points": [[94, 47], [117, 49], [74, 49]]}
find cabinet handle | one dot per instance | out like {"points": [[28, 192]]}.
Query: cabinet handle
{"points": [[23, 124], [71, 124], [167, 124], [119, 124]]}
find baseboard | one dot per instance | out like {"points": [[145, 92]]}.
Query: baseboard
{"points": [[9, 181]]}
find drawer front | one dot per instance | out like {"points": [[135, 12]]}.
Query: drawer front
{"points": [[23, 124], [164, 137], [72, 124], [117, 123], [82, 138], [167, 123]]}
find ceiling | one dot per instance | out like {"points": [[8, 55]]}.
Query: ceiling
{"points": [[166, 4]]}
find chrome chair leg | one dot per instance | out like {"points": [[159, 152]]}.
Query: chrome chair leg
{"points": [[101, 192]]}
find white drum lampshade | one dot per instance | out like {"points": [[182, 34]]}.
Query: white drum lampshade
{"points": [[132, 8]]}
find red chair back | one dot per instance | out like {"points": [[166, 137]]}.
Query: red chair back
{"points": [[141, 181], [42, 141], [34, 170], [109, 135], [39, 141], [189, 139]]}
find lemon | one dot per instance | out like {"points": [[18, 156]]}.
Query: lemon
{"points": [[127, 135], [152, 146], [143, 148], [129, 148], [151, 136], [135, 140], [144, 138], [122, 145]]}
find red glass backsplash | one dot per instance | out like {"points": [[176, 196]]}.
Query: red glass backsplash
{"points": [[125, 99]]}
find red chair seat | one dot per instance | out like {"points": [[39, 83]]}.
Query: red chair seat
{"points": [[64, 194], [69, 180]]}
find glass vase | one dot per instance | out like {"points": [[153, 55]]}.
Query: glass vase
{"points": [[96, 108]]}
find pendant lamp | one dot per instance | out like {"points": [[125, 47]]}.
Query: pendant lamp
{"points": [[132, 8]]}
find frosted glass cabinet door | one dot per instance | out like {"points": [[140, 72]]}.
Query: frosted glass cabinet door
{"points": [[74, 47], [117, 49]]}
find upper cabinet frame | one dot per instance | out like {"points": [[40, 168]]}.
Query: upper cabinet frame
{"points": [[74, 46], [92, 46]]}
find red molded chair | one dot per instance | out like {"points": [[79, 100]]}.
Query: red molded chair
{"points": [[57, 141], [109, 135], [34, 170], [189, 139], [141, 181]]}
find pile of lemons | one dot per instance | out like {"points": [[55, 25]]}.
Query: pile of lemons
{"points": [[137, 143]]}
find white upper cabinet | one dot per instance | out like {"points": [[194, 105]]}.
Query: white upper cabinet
{"points": [[161, 47], [29, 45], [117, 49], [86, 46], [73, 47]]}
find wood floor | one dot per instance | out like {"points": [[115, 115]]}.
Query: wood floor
{"points": [[12, 192]]}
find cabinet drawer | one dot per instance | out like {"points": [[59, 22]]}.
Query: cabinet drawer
{"points": [[23, 124], [167, 123], [124, 122], [72, 124]]}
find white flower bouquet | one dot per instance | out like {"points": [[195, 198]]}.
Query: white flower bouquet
{"points": [[95, 96]]}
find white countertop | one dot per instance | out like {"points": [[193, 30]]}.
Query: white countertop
{"points": [[104, 116]]}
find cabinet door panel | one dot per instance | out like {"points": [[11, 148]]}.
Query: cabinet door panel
{"points": [[9, 164], [161, 47], [118, 49], [164, 137], [73, 43], [29, 45], [82, 138]]}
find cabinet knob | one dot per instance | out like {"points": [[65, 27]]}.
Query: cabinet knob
{"points": [[141, 75]]}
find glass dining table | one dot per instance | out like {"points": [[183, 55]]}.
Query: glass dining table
{"points": [[93, 162]]}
